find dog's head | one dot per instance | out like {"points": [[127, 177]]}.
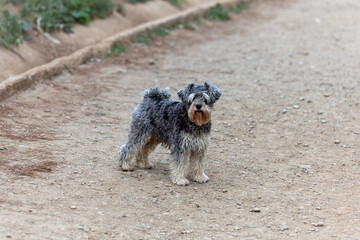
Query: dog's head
{"points": [[199, 100]]}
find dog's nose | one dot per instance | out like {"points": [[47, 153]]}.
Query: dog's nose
{"points": [[198, 106]]}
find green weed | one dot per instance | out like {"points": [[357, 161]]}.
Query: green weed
{"points": [[146, 37], [217, 13], [175, 3], [117, 49], [70, 69], [189, 26], [137, 1], [160, 32], [239, 7], [119, 8]]}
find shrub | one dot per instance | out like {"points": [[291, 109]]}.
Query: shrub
{"points": [[11, 30], [59, 14]]}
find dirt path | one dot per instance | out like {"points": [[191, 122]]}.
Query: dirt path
{"points": [[285, 138]]}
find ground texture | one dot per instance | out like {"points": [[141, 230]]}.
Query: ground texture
{"points": [[284, 159]]}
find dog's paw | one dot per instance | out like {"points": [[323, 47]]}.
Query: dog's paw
{"points": [[144, 165], [126, 167], [182, 182], [202, 178]]}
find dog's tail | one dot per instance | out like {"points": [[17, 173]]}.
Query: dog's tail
{"points": [[156, 94]]}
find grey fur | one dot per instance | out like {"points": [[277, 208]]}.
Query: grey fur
{"points": [[160, 120]]}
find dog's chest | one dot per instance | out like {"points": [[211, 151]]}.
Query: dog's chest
{"points": [[194, 142]]}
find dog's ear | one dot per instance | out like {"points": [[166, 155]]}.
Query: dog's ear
{"points": [[184, 92], [213, 91]]}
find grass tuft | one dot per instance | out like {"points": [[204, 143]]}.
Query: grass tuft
{"points": [[217, 13], [239, 7]]}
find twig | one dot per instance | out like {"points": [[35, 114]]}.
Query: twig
{"points": [[47, 35]]}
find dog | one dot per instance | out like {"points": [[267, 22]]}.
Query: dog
{"points": [[182, 126]]}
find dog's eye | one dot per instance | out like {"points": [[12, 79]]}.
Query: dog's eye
{"points": [[207, 99]]}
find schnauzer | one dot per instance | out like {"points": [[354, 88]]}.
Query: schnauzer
{"points": [[182, 126]]}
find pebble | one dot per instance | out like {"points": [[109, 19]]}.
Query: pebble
{"points": [[255, 210], [296, 106], [284, 228], [123, 70], [185, 231], [318, 224], [337, 141], [323, 121], [73, 207]]}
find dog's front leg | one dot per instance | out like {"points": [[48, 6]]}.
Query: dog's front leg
{"points": [[197, 167], [179, 168]]}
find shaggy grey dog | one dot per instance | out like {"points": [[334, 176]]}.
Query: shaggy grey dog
{"points": [[182, 126]]}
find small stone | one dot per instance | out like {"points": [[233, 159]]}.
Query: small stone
{"points": [[123, 70], [185, 231], [256, 210], [337, 141], [296, 106], [73, 207], [319, 224], [224, 190], [284, 228], [284, 111], [306, 145], [323, 121]]}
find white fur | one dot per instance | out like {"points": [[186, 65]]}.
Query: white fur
{"points": [[197, 143]]}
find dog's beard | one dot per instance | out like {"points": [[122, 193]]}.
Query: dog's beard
{"points": [[199, 117]]}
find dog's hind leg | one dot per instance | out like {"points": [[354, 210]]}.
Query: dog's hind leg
{"points": [[131, 149], [142, 159], [126, 154]]}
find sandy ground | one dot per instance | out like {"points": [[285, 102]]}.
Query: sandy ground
{"points": [[284, 158]]}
